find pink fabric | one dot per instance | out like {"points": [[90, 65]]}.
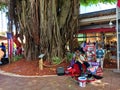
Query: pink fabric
{"points": [[118, 3]]}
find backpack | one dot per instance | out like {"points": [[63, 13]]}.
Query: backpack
{"points": [[99, 53]]}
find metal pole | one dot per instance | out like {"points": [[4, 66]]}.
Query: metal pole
{"points": [[118, 35], [118, 38]]}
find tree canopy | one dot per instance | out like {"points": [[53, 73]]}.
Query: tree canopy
{"points": [[82, 2], [92, 2]]}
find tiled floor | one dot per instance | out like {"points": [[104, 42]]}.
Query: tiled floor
{"points": [[111, 81]]}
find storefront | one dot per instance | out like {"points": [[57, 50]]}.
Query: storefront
{"points": [[105, 35]]}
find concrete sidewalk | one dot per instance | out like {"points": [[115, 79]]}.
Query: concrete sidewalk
{"points": [[111, 81]]}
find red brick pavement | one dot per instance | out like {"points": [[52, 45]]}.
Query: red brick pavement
{"points": [[111, 81]]}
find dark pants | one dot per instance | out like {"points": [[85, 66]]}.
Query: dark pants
{"points": [[87, 64], [80, 65], [4, 61], [81, 50]]}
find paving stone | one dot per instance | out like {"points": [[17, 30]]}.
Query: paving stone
{"points": [[111, 81]]}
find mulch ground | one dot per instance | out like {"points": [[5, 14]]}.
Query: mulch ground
{"points": [[23, 67]]}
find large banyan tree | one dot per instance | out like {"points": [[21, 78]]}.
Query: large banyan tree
{"points": [[46, 26]]}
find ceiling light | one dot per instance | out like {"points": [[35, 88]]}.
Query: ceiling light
{"points": [[110, 23]]}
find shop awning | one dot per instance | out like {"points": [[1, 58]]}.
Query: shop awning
{"points": [[98, 30]]}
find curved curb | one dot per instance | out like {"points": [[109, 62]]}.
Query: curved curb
{"points": [[17, 75]]}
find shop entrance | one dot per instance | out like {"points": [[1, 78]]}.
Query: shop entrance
{"points": [[108, 39]]}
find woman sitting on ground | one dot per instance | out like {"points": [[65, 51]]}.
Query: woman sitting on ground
{"points": [[81, 60]]}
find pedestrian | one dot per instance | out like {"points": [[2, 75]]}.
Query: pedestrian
{"points": [[1, 55], [3, 47], [18, 51], [100, 55]]}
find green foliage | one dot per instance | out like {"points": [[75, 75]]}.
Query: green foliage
{"points": [[56, 60], [69, 56], [17, 57], [3, 7], [96, 2]]}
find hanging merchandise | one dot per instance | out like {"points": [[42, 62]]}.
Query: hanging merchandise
{"points": [[90, 52]]}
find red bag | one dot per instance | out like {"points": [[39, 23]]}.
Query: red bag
{"points": [[76, 67], [99, 71], [74, 71]]}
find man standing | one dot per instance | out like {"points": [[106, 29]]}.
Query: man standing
{"points": [[100, 55]]}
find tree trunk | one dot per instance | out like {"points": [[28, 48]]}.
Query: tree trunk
{"points": [[46, 26]]}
